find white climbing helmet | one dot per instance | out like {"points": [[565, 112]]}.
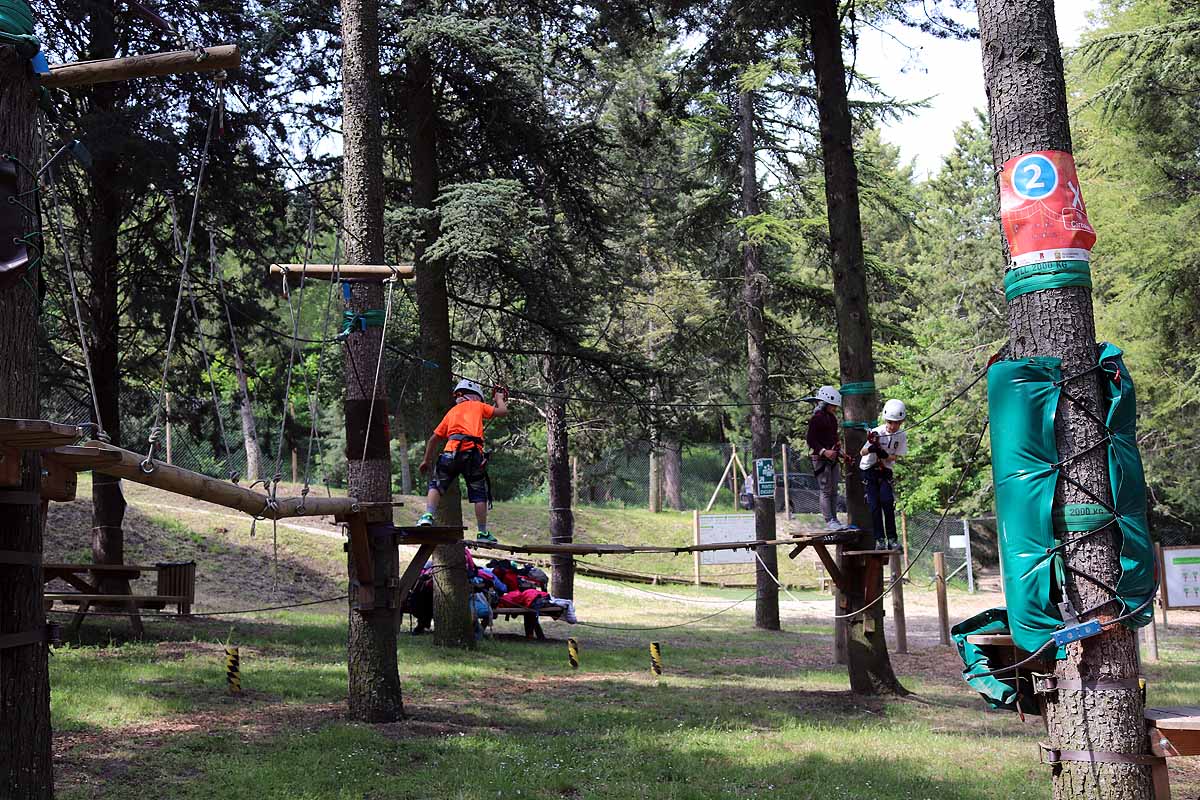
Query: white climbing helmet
{"points": [[894, 411], [830, 395], [468, 385]]}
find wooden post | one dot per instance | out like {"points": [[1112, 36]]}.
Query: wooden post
{"points": [[840, 626], [720, 483], [733, 480], [110, 70], [295, 466], [898, 605], [787, 499], [904, 536], [696, 541], [1151, 634], [966, 526], [939, 571], [1163, 600], [167, 414]]}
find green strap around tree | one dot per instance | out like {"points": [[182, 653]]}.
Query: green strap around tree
{"points": [[16, 27], [1081, 517], [859, 388], [1047, 275], [372, 318], [862, 426]]}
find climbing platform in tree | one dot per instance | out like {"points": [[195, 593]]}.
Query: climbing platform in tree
{"points": [[34, 434]]}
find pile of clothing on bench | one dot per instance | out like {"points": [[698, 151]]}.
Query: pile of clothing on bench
{"points": [[499, 585]]}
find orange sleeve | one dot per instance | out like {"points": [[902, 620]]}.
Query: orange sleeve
{"points": [[442, 431], [488, 411]]}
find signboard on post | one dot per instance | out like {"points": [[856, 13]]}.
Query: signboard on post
{"points": [[764, 477], [1181, 577], [1042, 211], [717, 528]]}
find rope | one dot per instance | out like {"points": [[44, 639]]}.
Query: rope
{"points": [[912, 562], [148, 462], [314, 402], [774, 578], [668, 627], [295, 316], [101, 434], [387, 315], [215, 272], [212, 383]]}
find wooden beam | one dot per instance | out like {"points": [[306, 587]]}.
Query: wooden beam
{"points": [[376, 272], [36, 433], [109, 70], [202, 487], [80, 459], [835, 572]]}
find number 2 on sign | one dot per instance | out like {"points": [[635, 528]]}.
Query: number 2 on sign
{"points": [[1034, 177]]}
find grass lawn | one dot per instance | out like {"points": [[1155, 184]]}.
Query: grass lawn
{"points": [[739, 713]]}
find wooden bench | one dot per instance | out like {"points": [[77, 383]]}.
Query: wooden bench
{"points": [[530, 616], [176, 585]]}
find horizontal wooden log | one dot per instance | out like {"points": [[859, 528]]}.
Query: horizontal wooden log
{"points": [[349, 271], [109, 70], [583, 549], [223, 493]]}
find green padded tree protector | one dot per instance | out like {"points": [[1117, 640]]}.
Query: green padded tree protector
{"points": [[999, 692], [1137, 583], [1022, 401], [1046, 275]]}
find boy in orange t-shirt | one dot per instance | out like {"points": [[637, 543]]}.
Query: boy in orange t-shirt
{"points": [[461, 433]]}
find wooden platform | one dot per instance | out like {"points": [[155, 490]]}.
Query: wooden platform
{"points": [[35, 434]]}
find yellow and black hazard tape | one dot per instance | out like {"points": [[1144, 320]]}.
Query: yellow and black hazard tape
{"points": [[233, 670], [573, 653], [655, 658]]}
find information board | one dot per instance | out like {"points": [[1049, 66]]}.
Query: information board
{"points": [[764, 477], [1181, 577], [716, 528]]}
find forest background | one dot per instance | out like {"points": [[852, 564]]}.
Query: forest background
{"points": [[575, 171]]}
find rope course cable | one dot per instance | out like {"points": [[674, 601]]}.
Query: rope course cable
{"points": [[314, 400], [148, 462], [912, 562], [387, 316], [65, 246], [177, 617]]}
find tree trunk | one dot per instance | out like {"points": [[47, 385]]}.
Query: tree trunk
{"points": [[766, 603], [254, 470], [26, 769], [451, 597], [374, 677], [1027, 103], [406, 479], [672, 473], [867, 657], [654, 482], [105, 206], [558, 479]]}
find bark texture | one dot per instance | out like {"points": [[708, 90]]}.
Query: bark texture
{"points": [[374, 677], [558, 479], [106, 211], [868, 662], [654, 481], [672, 473], [406, 479], [754, 289], [254, 469], [26, 770], [451, 610], [1023, 72]]}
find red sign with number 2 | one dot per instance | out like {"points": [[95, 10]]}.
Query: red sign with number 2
{"points": [[1042, 211]]}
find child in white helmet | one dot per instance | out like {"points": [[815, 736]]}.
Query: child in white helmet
{"points": [[885, 444], [461, 432]]}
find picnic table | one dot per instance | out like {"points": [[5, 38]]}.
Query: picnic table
{"points": [[176, 586]]}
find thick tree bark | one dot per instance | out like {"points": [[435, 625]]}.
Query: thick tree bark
{"points": [[1027, 102], [868, 662], [672, 473], [374, 677], [26, 770], [558, 478], [105, 207], [254, 470], [451, 597], [766, 602]]}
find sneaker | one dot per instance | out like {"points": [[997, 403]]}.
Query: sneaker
{"points": [[485, 536], [893, 544], [833, 525], [881, 545], [425, 519]]}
